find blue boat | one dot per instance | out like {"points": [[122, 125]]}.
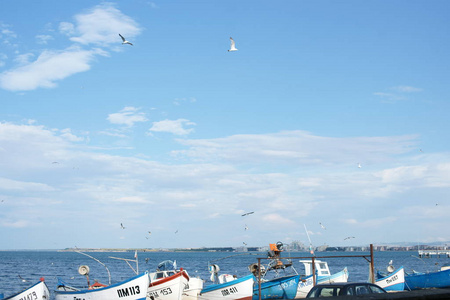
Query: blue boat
{"points": [[277, 288], [418, 280], [394, 281]]}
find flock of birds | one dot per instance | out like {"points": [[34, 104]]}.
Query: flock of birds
{"points": [[232, 43]]}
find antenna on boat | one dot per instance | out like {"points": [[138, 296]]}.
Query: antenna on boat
{"points": [[311, 250], [109, 274], [128, 260]]}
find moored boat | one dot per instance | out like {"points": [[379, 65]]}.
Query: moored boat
{"points": [[278, 288], [134, 288], [230, 288], [38, 291], [418, 280], [323, 276], [168, 268], [394, 281], [169, 288]]}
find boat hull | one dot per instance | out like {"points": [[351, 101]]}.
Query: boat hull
{"points": [[38, 291], [239, 289], [416, 281], [134, 288], [169, 288], [193, 289], [278, 288], [394, 282]]}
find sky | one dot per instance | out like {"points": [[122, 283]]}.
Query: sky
{"points": [[331, 116]]}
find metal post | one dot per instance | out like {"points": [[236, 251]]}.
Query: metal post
{"points": [[259, 278], [372, 275], [313, 270]]}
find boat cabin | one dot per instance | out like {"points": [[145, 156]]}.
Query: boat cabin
{"points": [[321, 267]]}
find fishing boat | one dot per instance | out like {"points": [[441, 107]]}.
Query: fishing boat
{"points": [[323, 276], [38, 291], [278, 280], [394, 281], [134, 288], [278, 288], [227, 286], [418, 280], [167, 283]]}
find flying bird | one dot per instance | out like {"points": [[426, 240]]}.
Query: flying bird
{"points": [[23, 280], [350, 237], [245, 244], [249, 213], [121, 226], [176, 231], [322, 226], [246, 227], [124, 41], [233, 45], [359, 165]]}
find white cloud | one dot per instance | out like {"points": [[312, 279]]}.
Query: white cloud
{"points": [[15, 224], [210, 195], [127, 116], [406, 89], [176, 127], [297, 147], [102, 24], [398, 94], [49, 67], [98, 26], [68, 135], [43, 38], [24, 59], [66, 28]]}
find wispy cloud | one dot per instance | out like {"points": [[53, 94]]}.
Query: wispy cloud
{"points": [[98, 28], [127, 116], [50, 67], [176, 127], [399, 93], [296, 147], [100, 25]]}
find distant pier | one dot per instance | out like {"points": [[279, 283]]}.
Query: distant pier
{"points": [[430, 253]]}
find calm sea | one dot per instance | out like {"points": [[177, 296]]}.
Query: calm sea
{"points": [[17, 266]]}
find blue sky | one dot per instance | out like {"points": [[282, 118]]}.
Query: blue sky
{"points": [[177, 136]]}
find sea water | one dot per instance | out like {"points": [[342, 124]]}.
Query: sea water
{"points": [[21, 269]]}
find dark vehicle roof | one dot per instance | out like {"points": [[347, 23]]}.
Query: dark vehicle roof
{"points": [[340, 288], [342, 284]]}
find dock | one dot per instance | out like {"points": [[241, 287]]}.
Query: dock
{"points": [[430, 253]]}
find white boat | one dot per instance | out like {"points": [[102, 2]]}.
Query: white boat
{"points": [[231, 288], [394, 281], [323, 276], [38, 291], [168, 288], [134, 288], [167, 269]]}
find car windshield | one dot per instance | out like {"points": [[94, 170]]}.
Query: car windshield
{"points": [[376, 290], [326, 292]]}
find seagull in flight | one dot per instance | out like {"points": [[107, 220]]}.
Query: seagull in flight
{"points": [[121, 226], [249, 213], [233, 45], [246, 227], [359, 165], [23, 280], [350, 237], [322, 226], [124, 41]]}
